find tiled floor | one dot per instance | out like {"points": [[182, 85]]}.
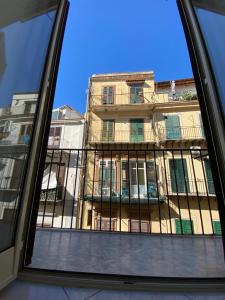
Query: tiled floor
{"points": [[21, 290], [126, 254]]}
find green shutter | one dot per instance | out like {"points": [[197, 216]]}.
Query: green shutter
{"points": [[173, 130], [209, 177], [179, 176], [136, 94], [217, 228], [186, 226], [107, 130], [137, 130]]}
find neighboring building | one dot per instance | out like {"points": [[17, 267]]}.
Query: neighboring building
{"points": [[61, 182], [151, 187], [15, 132]]}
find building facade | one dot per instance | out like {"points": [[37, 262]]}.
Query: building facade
{"points": [[61, 179], [148, 170], [15, 134]]}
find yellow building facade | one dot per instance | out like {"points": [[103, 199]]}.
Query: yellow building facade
{"points": [[147, 168]]}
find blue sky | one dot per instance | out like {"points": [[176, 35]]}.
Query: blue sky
{"points": [[104, 36]]}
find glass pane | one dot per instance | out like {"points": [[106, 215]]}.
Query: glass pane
{"points": [[24, 39], [211, 17]]}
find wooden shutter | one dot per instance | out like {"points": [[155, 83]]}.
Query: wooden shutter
{"points": [[179, 176], [209, 177], [217, 227], [136, 94], [173, 130], [186, 226], [108, 95], [151, 179], [108, 130], [137, 130], [125, 184]]}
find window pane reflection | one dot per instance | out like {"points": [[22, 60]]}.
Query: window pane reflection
{"points": [[24, 38], [211, 17]]}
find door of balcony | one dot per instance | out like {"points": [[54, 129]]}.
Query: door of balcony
{"points": [[179, 176], [173, 130], [137, 130], [138, 186]]}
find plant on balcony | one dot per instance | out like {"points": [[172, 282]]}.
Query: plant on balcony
{"points": [[187, 96]]}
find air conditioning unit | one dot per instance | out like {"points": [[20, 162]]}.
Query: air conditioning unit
{"points": [[195, 151]]}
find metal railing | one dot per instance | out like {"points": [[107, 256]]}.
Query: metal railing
{"points": [[146, 97], [181, 133], [122, 136], [166, 191]]}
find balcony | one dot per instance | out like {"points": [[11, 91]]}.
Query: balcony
{"points": [[155, 188], [122, 136], [181, 133], [127, 192], [124, 100]]}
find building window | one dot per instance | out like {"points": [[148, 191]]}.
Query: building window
{"points": [[25, 134], [4, 129], [103, 223], [217, 228], [136, 94], [173, 130], [108, 130], [137, 130], [142, 179], [54, 137], [108, 95], [179, 176], [107, 178], [30, 107], [139, 226], [184, 226]]}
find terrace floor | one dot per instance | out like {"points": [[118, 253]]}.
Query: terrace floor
{"points": [[128, 254], [22, 290]]}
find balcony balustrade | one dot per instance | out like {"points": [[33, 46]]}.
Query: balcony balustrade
{"points": [[167, 191], [181, 133], [122, 136], [147, 136], [125, 98]]}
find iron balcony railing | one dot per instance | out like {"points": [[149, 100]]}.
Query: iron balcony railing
{"points": [[125, 98], [150, 136], [166, 191], [181, 133], [122, 136]]}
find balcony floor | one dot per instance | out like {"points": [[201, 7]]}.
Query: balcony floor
{"points": [[23, 290], [128, 254]]}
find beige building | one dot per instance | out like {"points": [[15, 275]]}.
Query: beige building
{"points": [[148, 170]]}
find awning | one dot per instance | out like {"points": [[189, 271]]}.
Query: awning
{"points": [[49, 181]]}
